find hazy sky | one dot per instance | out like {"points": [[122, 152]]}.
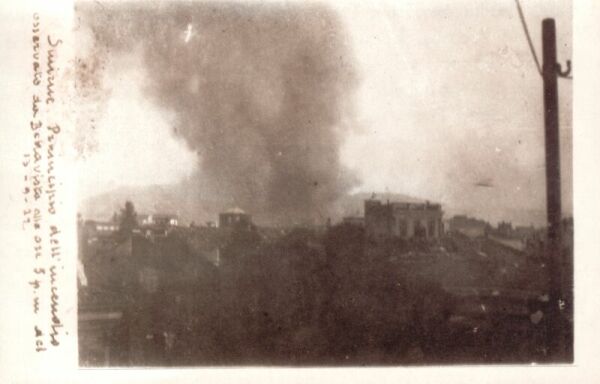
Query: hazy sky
{"points": [[450, 96], [447, 95]]}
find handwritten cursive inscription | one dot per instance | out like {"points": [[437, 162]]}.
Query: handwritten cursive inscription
{"points": [[40, 191]]}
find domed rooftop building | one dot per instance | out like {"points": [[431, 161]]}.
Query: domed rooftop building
{"points": [[235, 211], [235, 218]]}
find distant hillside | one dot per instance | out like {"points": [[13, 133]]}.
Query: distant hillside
{"points": [[178, 199], [190, 204]]}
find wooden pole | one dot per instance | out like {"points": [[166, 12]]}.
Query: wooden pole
{"points": [[556, 343]]}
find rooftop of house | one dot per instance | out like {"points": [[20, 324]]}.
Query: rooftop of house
{"points": [[398, 204], [235, 211], [157, 216]]}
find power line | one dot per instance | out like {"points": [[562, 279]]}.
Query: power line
{"points": [[526, 30]]}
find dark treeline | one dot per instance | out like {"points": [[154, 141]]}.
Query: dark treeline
{"points": [[303, 298]]}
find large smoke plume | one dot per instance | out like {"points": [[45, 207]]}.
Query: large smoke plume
{"points": [[260, 93]]}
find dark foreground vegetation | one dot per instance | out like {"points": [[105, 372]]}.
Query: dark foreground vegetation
{"points": [[204, 296]]}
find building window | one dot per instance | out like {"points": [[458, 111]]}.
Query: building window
{"points": [[431, 228]]}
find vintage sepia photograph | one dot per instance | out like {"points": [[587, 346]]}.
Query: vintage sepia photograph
{"points": [[323, 183]]}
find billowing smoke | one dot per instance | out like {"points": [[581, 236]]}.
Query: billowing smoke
{"points": [[259, 91]]}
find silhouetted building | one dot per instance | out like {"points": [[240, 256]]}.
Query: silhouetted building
{"points": [[235, 218], [402, 220], [505, 229], [525, 232], [161, 219], [469, 226], [157, 224], [94, 230]]}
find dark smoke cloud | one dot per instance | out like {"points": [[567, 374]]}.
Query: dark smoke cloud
{"points": [[259, 92]]}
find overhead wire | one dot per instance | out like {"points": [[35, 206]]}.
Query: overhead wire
{"points": [[526, 30]]}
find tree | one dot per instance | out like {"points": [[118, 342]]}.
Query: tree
{"points": [[128, 220]]}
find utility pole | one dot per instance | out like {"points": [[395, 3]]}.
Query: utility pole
{"points": [[550, 73]]}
